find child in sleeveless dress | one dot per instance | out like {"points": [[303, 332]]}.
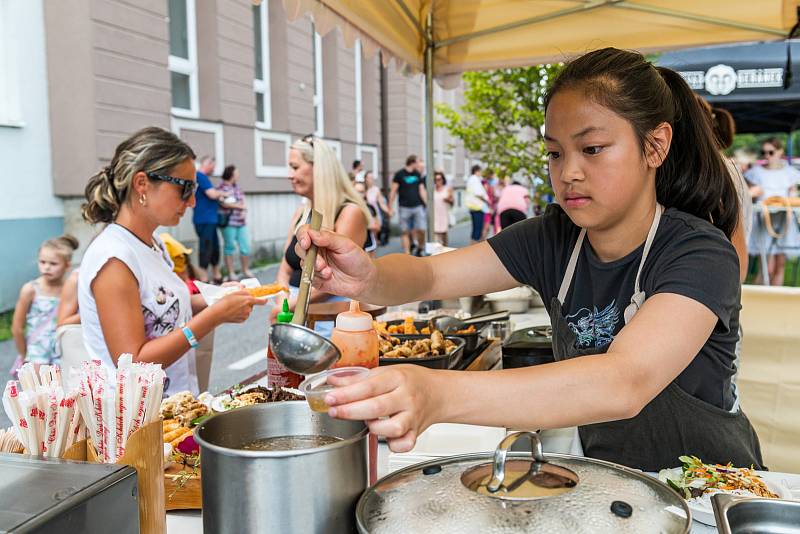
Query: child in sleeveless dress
{"points": [[34, 323]]}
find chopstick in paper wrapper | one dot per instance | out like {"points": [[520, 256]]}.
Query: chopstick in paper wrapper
{"points": [[118, 405], [42, 414], [12, 407]]}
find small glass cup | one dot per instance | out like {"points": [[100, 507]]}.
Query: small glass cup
{"points": [[498, 330], [315, 387]]}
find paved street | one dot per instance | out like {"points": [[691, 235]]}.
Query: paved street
{"points": [[239, 349]]}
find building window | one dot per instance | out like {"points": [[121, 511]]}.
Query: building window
{"points": [[183, 58], [369, 157], [359, 95], [10, 110], [183, 128], [319, 111], [261, 80], [272, 154]]}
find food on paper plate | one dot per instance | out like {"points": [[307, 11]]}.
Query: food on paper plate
{"points": [[697, 481], [238, 398], [184, 408], [267, 290]]}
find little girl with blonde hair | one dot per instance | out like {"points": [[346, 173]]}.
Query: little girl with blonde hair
{"points": [[34, 323]]}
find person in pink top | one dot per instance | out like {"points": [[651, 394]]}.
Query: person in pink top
{"points": [[513, 204], [442, 200]]}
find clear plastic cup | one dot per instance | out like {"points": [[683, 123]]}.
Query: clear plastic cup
{"points": [[315, 387]]}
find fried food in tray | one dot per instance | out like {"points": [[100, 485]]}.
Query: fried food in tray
{"points": [[267, 290], [393, 348], [407, 327]]}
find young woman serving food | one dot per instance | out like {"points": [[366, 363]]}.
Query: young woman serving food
{"points": [[635, 261]]}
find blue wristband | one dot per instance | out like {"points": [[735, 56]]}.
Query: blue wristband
{"points": [[189, 336]]}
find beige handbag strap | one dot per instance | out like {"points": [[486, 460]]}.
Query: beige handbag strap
{"points": [[776, 201]]}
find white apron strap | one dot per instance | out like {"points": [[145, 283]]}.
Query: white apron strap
{"points": [[570, 272], [639, 296]]}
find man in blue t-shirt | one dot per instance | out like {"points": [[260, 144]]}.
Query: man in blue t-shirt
{"points": [[205, 221]]}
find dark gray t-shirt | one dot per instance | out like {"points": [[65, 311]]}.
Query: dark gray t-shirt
{"points": [[689, 257]]}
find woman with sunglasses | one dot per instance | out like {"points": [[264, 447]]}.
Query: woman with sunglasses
{"points": [[776, 178], [130, 299]]}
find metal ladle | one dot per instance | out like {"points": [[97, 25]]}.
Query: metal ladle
{"points": [[297, 347]]}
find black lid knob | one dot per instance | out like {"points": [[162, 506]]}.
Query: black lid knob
{"points": [[432, 470], [621, 509]]}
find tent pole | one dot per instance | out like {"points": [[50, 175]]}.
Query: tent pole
{"points": [[429, 162]]}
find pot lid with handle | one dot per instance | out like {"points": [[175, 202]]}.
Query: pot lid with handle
{"points": [[553, 494]]}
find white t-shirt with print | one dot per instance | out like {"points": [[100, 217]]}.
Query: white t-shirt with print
{"points": [[165, 299]]}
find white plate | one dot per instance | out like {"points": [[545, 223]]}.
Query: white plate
{"points": [[167, 455], [705, 514], [218, 405]]}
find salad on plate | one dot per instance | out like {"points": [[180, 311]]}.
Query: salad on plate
{"points": [[697, 482]]}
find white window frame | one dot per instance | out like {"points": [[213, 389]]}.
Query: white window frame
{"points": [[449, 166], [271, 171], [10, 107], [359, 94], [372, 151], [188, 66], [319, 100], [178, 125], [263, 86], [336, 146]]}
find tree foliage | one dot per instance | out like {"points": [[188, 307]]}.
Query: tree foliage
{"points": [[501, 119]]}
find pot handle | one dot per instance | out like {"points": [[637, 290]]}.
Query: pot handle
{"points": [[501, 454]]}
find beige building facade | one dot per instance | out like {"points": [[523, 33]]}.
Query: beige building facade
{"points": [[237, 81]]}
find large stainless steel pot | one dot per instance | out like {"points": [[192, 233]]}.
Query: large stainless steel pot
{"points": [[298, 491], [509, 492]]}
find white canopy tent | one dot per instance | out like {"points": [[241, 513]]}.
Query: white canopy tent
{"points": [[448, 37]]}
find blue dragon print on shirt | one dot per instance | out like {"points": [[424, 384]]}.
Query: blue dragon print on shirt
{"points": [[594, 328]]}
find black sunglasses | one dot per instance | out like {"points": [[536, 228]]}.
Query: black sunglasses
{"points": [[767, 152], [188, 187], [309, 139]]}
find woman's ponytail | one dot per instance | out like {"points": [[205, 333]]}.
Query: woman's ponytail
{"points": [[693, 177], [102, 199]]}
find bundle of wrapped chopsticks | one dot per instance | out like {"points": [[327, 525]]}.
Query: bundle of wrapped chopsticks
{"points": [[9, 441], [115, 406], [46, 419]]}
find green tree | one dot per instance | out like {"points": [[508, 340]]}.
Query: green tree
{"points": [[501, 120]]}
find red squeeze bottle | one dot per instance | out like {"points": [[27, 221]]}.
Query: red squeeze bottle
{"points": [[277, 374], [357, 340]]}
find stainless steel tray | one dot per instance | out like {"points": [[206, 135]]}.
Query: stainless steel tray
{"points": [[746, 515]]}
